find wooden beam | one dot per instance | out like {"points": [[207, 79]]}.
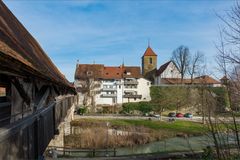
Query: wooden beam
{"points": [[21, 90], [41, 96]]}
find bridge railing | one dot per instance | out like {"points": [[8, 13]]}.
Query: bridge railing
{"points": [[53, 151], [29, 137]]}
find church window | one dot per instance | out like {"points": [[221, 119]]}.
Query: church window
{"points": [[150, 60]]}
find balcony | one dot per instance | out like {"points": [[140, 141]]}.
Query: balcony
{"points": [[132, 96], [109, 89], [131, 82], [108, 95]]}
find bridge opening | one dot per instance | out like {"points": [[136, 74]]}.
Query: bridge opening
{"points": [[5, 104]]}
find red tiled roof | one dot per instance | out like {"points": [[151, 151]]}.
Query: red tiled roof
{"points": [[112, 73], [206, 79], [198, 80], [99, 71], [135, 72], [85, 71], [149, 52]]}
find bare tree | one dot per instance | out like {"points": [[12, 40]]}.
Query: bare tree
{"points": [[195, 64], [181, 57], [88, 88]]}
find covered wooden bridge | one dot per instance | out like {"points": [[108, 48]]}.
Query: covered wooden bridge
{"points": [[34, 96]]}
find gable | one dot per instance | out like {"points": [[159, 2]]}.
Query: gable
{"points": [[168, 70]]}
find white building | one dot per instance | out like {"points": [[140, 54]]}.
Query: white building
{"points": [[117, 85], [167, 70], [169, 74]]}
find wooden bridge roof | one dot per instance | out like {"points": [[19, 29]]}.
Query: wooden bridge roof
{"points": [[20, 53]]}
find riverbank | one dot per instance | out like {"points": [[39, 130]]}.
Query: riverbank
{"points": [[113, 133]]}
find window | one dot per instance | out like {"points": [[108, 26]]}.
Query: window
{"points": [[89, 73], [150, 60], [119, 86], [148, 83], [3, 92]]}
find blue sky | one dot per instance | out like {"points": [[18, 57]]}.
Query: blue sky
{"points": [[109, 31]]}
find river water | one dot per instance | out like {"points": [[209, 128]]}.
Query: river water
{"points": [[176, 144], [169, 145]]}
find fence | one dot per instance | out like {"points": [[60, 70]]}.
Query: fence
{"points": [[52, 151]]}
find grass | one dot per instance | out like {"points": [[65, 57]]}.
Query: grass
{"points": [[177, 126], [186, 127], [132, 132]]}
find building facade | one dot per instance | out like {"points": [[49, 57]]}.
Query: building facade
{"points": [[101, 85], [169, 74]]}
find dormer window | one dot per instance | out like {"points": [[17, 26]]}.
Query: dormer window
{"points": [[89, 73], [128, 73]]}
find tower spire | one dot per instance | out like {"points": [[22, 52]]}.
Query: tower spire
{"points": [[148, 42]]}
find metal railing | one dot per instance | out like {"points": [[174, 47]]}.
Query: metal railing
{"points": [[108, 95], [109, 89], [132, 96], [67, 151], [131, 82]]}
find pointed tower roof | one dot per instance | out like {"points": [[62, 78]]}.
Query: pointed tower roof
{"points": [[149, 52]]}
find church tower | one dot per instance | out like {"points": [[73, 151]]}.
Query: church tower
{"points": [[149, 61]]}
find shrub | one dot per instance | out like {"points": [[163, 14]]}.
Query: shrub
{"points": [[81, 111], [144, 107]]}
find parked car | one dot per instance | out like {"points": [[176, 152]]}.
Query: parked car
{"points": [[156, 115], [179, 115], [172, 114], [188, 115]]}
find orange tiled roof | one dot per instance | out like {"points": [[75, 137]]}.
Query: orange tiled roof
{"points": [[99, 71], [135, 72], [112, 73], [85, 71], [149, 52], [206, 79], [198, 80]]}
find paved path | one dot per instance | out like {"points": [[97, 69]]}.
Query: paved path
{"points": [[164, 118]]}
